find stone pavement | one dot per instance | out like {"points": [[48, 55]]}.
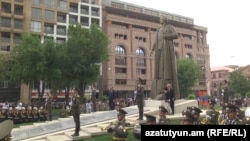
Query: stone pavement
{"points": [[91, 124]]}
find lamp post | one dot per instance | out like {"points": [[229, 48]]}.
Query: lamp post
{"points": [[112, 76]]}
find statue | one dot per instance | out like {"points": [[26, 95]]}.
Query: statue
{"points": [[165, 63]]}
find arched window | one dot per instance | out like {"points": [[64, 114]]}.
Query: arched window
{"points": [[140, 53], [120, 58], [188, 55]]}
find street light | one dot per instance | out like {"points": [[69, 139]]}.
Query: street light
{"points": [[112, 76]]}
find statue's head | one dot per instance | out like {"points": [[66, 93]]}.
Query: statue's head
{"points": [[163, 19]]}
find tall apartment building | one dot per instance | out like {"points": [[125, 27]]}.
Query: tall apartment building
{"points": [[46, 17], [131, 29]]}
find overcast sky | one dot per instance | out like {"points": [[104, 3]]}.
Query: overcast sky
{"points": [[228, 23]]}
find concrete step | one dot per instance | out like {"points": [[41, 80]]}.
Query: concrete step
{"points": [[59, 138], [95, 130], [82, 135]]}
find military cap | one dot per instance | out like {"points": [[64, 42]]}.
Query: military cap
{"points": [[231, 108], [188, 115], [195, 110], [121, 111], [5, 128], [150, 117], [163, 109], [211, 102]]}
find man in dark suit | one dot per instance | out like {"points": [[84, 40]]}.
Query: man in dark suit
{"points": [[170, 98], [76, 113], [111, 95]]}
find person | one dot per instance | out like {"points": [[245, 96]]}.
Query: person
{"points": [[150, 119], [93, 98], [169, 97], [49, 107], [225, 91], [188, 117], [5, 130], [163, 120], [165, 63], [223, 115], [118, 128], [140, 97], [111, 96], [75, 109], [211, 118], [196, 112], [89, 107], [232, 118]]}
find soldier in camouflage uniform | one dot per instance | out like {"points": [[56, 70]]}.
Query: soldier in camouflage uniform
{"points": [[118, 128], [232, 119], [163, 120], [195, 111]]}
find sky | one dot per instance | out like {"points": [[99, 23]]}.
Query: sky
{"points": [[227, 21]]}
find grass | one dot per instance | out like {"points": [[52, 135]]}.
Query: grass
{"points": [[108, 137]]}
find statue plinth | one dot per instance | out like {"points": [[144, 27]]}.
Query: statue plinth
{"points": [[157, 89]]}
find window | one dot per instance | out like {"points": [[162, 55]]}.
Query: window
{"points": [[5, 48], [121, 82], [49, 28], [36, 26], [141, 61], [50, 3], [18, 10], [120, 58], [214, 85], [188, 55], [120, 36], [36, 2], [140, 71], [62, 5], [120, 70], [49, 15], [5, 22], [36, 13], [18, 23], [5, 37]]}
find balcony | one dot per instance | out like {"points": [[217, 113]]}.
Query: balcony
{"points": [[85, 1], [73, 8], [61, 18], [85, 10]]}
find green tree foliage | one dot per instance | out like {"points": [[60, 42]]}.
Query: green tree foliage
{"points": [[4, 61], [86, 49], [239, 83], [188, 72]]}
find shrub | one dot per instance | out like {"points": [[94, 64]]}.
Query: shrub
{"points": [[191, 96]]}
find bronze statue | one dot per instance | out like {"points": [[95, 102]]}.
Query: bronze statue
{"points": [[165, 63]]}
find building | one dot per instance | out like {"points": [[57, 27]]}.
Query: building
{"points": [[219, 74], [46, 17], [131, 29]]}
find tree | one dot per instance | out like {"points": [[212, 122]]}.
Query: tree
{"points": [[4, 60], [86, 48], [33, 62], [188, 72], [239, 83]]}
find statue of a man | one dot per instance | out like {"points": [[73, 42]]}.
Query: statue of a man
{"points": [[165, 63]]}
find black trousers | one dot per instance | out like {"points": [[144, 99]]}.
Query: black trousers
{"points": [[172, 106], [77, 123]]}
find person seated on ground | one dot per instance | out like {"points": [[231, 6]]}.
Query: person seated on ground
{"points": [[150, 119], [5, 130], [195, 111], [188, 117], [163, 120], [119, 127], [211, 118]]}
